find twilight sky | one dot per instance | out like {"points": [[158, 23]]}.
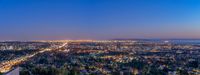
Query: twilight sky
{"points": [[99, 19]]}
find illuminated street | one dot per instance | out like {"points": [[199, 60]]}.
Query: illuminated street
{"points": [[8, 65]]}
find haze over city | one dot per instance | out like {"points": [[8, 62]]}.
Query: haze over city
{"points": [[99, 19]]}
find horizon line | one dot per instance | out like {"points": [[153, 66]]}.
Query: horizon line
{"points": [[111, 39]]}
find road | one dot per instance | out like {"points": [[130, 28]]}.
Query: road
{"points": [[8, 65]]}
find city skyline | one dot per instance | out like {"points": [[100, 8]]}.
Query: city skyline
{"points": [[99, 19]]}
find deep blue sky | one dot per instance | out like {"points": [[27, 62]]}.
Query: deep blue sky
{"points": [[99, 19]]}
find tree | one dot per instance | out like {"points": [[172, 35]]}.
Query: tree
{"points": [[53, 71], [24, 72], [63, 71], [183, 72], [74, 72]]}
